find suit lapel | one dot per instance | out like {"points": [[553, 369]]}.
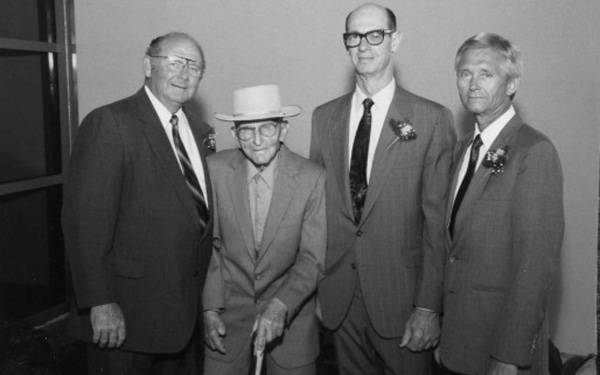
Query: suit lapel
{"points": [[387, 146], [482, 175], [284, 188], [238, 194], [159, 143], [338, 139]]}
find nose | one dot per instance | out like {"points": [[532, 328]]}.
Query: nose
{"points": [[473, 83], [363, 45], [257, 139]]}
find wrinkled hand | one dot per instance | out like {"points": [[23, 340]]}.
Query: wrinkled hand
{"points": [[269, 324], [422, 330], [214, 330], [108, 325], [501, 368]]}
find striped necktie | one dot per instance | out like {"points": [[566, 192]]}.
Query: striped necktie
{"points": [[358, 161], [190, 177]]}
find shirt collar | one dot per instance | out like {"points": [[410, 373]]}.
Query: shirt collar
{"points": [[267, 173], [381, 99], [490, 133], [163, 113]]}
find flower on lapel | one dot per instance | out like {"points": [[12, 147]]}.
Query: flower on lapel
{"points": [[210, 140], [496, 159], [403, 129]]}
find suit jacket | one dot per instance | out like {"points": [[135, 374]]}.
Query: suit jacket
{"points": [[289, 263], [507, 237], [131, 228], [396, 252]]}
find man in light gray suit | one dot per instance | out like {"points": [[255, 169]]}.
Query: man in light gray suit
{"points": [[269, 245], [387, 153], [505, 219]]}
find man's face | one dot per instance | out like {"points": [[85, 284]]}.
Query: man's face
{"points": [[172, 87], [483, 86], [371, 60], [261, 139]]}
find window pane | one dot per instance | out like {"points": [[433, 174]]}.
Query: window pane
{"points": [[32, 264], [27, 19], [30, 126]]}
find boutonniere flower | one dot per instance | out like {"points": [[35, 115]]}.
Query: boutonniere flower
{"points": [[210, 141], [403, 129], [496, 159]]}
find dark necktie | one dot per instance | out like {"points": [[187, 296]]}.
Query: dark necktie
{"points": [[358, 162], [190, 177], [466, 180]]}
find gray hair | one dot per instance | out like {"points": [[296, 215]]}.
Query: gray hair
{"points": [[512, 64]]}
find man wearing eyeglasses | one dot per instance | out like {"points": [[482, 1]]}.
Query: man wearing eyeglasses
{"points": [[136, 219], [269, 245], [387, 153]]}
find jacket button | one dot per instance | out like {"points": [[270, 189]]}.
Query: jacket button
{"points": [[359, 233], [452, 259], [353, 266], [257, 277]]}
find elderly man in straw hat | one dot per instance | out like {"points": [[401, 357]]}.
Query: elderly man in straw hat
{"points": [[269, 244]]}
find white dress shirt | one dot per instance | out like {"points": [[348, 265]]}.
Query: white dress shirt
{"points": [[381, 103], [488, 136], [185, 133]]}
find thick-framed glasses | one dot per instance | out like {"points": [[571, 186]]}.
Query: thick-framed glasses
{"points": [[373, 37], [178, 64], [267, 130]]}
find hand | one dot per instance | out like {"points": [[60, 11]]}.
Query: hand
{"points": [[214, 330], [501, 368], [269, 324], [108, 325], [421, 331]]}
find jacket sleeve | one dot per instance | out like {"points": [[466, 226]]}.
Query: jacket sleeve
{"points": [[91, 206], [436, 179], [538, 226]]}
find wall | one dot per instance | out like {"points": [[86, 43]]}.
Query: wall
{"points": [[298, 45]]}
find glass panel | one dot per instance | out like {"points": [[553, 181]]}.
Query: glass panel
{"points": [[32, 264], [29, 125], [27, 19]]}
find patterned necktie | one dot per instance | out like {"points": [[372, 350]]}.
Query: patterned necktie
{"points": [[466, 181], [190, 177], [358, 162]]}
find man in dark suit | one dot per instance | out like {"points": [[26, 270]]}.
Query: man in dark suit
{"points": [[269, 245], [387, 153], [136, 220], [505, 220]]}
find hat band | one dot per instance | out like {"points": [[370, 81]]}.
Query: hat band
{"points": [[236, 114]]}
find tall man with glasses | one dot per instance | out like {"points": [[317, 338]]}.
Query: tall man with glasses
{"points": [[136, 219], [387, 154], [269, 245]]}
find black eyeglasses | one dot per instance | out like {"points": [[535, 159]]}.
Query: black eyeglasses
{"points": [[373, 37], [267, 130], [178, 64]]}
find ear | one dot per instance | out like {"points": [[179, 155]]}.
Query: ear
{"points": [[512, 86], [396, 40], [283, 131], [232, 132], [147, 66]]}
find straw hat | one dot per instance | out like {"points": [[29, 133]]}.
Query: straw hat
{"points": [[258, 103]]}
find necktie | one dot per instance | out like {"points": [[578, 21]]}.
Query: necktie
{"points": [[358, 161], [190, 177], [466, 180]]}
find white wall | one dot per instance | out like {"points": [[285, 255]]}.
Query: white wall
{"points": [[298, 45]]}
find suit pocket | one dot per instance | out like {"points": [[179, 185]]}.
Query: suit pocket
{"points": [[129, 268]]}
